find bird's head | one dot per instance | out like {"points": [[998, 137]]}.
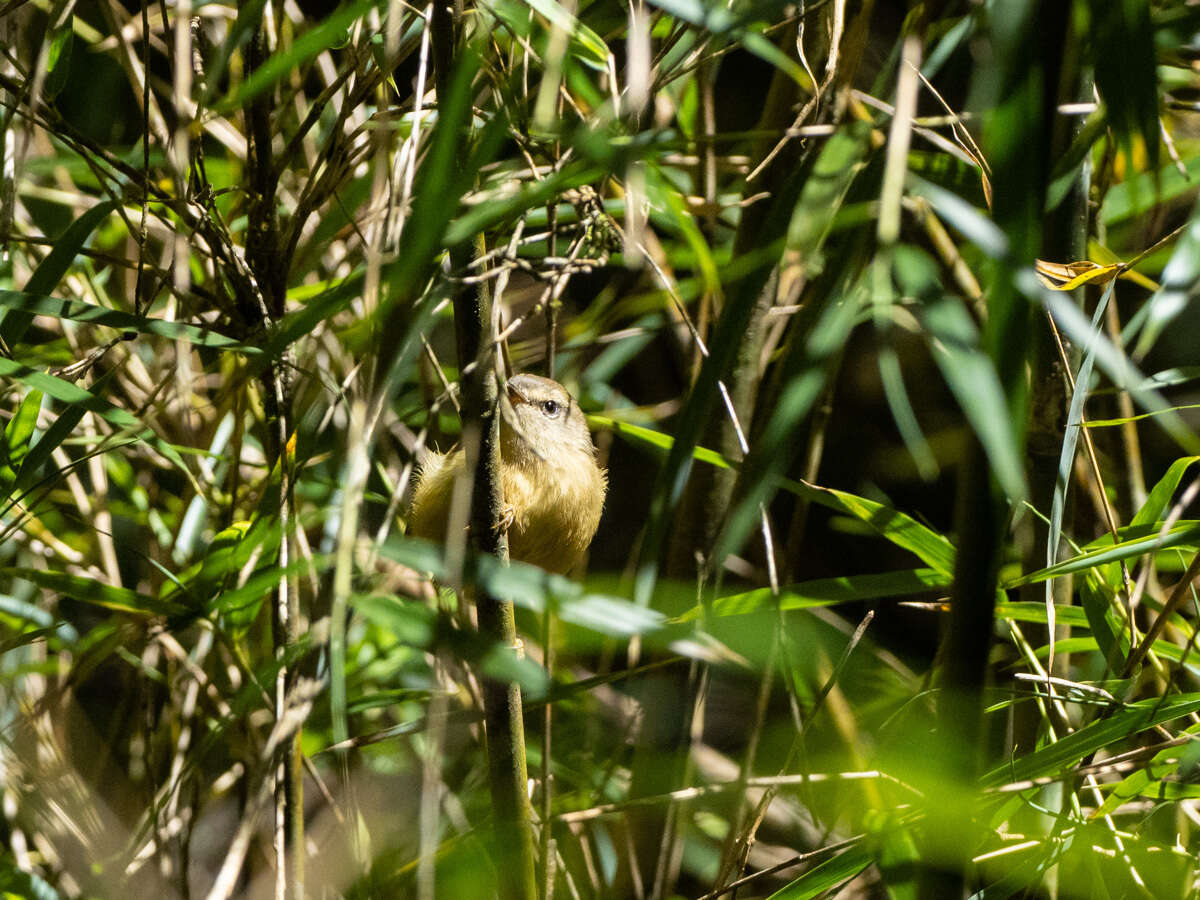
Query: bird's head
{"points": [[541, 421]]}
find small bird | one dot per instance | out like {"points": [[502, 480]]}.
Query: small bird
{"points": [[553, 488]]}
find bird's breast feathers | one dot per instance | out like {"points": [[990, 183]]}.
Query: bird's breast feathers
{"points": [[556, 512]]}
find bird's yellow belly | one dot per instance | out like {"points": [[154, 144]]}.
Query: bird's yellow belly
{"points": [[553, 518]]}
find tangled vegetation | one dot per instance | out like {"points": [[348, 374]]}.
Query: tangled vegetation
{"points": [[881, 315]]}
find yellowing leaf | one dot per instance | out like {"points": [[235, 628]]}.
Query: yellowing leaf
{"points": [[1068, 276]]}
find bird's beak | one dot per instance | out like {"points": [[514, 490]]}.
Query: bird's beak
{"points": [[514, 395]]}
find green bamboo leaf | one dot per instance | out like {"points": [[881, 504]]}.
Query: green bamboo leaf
{"points": [[827, 876], [904, 416], [223, 560], [594, 53], [14, 443], [1124, 420], [1068, 646], [249, 14], [1035, 611], [413, 624], [1160, 496], [89, 314], [1056, 758], [656, 439], [58, 60], [1111, 359], [89, 590], [726, 338], [588, 612], [823, 329], [1179, 288], [765, 50], [300, 322], [898, 859], [1067, 168], [824, 592], [29, 613], [15, 882], [418, 626], [442, 180], [528, 197], [713, 17], [239, 607], [1146, 540], [1107, 625], [1094, 603], [50, 272], [536, 590], [902, 530], [25, 638], [668, 206], [972, 223]]}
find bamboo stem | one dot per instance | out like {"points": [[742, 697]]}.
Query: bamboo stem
{"points": [[502, 703]]}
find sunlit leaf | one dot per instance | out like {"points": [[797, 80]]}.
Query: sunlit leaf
{"points": [[16, 437], [826, 876]]}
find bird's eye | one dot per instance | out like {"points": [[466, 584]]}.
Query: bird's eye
{"points": [[551, 408]]}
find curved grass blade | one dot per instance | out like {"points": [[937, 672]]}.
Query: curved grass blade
{"points": [[1136, 196], [967, 370], [1179, 287], [827, 326], [1112, 360], [1030, 611], [593, 51], [844, 151]]}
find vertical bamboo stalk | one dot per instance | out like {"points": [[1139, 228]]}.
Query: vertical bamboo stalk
{"points": [[503, 710]]}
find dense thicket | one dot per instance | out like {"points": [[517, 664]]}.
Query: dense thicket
{"points": [[882, 318]]}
